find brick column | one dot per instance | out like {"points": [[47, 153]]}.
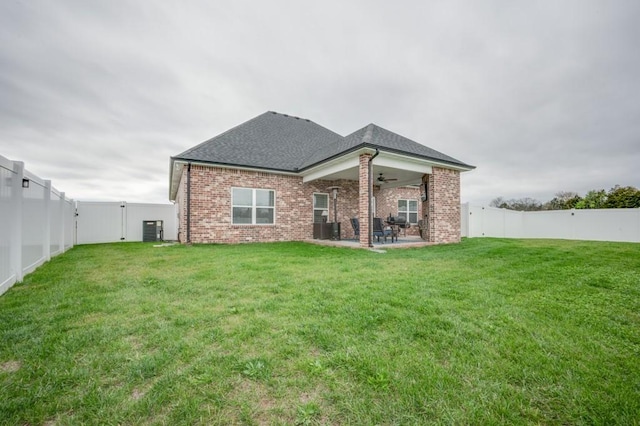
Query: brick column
{"points": [[444, 206], [363, 200]]}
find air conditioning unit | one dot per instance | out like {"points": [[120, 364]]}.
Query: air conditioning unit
{"points": [[152, 230]]}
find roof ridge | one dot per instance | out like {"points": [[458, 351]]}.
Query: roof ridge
{"points": [[372, 133], [368, 134], [338, 139], [328, 148], [294, 116]]}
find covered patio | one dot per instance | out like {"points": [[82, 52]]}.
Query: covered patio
{"points": [[366, 184]]}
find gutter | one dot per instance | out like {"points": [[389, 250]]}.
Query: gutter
{"points": [[370, 189], [189, 203]]}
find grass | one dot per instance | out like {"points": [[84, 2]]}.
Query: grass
{"points": [[488, 331]]}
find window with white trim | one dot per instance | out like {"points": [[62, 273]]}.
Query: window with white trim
{"points": [[252, 206], [320, 205], [409, 210]]}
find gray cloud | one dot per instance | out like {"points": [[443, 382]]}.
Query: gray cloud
{"points": [[540, 96]]}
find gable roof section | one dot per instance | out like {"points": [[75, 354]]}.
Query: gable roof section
{"points": [[270, 141], [373, 136], [280, 142]]}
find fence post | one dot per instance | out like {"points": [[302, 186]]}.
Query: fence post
{"points": [[46, 240], [63, 223], [16, 231]]}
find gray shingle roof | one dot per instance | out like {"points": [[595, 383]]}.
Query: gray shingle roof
{"points": [[281, 142], [373, 136], [269, 141]]}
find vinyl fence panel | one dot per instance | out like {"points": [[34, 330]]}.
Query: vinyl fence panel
{"points": [[32, 222], [108, 222], [56, 245], [607, 224], [597, 225], [7, 272], [138, 212]]}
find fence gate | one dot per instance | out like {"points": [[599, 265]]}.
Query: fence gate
{"points": [[100, 222]]}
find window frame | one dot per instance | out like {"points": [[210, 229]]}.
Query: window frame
{"points": [[253, 206], [314, 205], [408, 212]]}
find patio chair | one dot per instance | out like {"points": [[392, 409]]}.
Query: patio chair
{"points": [[380, 231], [355, 223]]}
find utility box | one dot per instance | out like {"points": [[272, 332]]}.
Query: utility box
{"points": [[152, 230]]}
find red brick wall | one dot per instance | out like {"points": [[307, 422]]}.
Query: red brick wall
{"points": [[211, 205], [443, 206], [387, 202]]}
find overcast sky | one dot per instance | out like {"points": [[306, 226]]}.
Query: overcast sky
{"points": [[541, 96]]}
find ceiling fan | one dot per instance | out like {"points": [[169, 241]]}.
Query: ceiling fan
{"points": [[383, 179]]}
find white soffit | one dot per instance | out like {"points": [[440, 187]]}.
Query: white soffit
{"points": [[351, 163], [403, 162], [335, 166]]}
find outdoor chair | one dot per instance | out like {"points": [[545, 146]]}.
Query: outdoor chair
{"points": [[355, 223], [380, 231]]}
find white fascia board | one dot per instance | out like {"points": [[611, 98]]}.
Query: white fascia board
{"points": [[406, 159]]}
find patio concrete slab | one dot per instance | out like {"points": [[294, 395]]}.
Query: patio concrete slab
{"points": [[403, 242]]}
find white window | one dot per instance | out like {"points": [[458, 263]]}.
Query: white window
{"points": [[409, 210], [253, 206], [320, 205]]}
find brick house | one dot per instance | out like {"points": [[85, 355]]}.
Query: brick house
{"points": [[272, 177]]}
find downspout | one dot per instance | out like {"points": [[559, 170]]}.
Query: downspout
{"points": [[370, 173], [189, 203]]}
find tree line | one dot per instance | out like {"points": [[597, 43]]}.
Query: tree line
{"points": [[618, 197]]}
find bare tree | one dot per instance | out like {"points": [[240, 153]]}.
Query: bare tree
{"points": [[499, 202], [520, 204]]}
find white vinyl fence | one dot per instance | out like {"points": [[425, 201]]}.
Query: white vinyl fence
{"points": [[36, 222], [108, 222], [597, 224]]}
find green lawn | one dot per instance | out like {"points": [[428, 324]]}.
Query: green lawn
{"points": [[487, 331]]}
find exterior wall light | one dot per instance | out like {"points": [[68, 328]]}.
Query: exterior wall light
{"points": [[25, 183]]}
